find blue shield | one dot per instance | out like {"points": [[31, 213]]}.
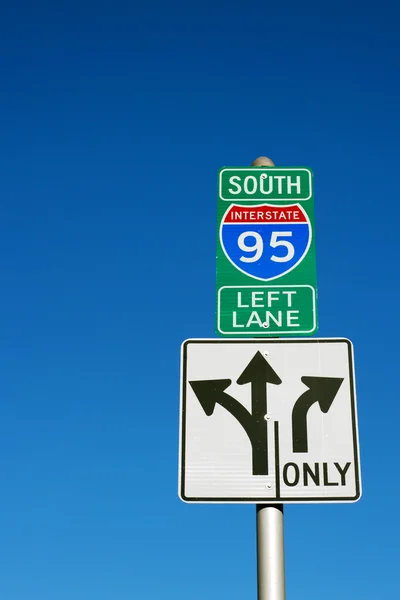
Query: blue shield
{"points": [[265, 241]]}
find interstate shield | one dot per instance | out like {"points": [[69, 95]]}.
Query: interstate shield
{"points": [[265, 241]]}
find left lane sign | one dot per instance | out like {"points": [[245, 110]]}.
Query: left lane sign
{"points": [[268, 421]]}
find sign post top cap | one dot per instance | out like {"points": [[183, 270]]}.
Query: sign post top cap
{"points": [[263, 161]]}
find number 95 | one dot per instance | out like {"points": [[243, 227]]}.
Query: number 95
{"points": [[258, 246]]}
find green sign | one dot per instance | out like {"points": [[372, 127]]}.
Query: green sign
{"points": [[261, 183], [266, 275]]}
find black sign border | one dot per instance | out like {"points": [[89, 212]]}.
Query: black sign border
{"points": [[279, 499]]}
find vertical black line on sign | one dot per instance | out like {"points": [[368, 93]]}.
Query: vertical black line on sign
{"points": [[277, 465]]}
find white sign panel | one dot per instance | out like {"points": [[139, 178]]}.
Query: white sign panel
{"points": [[268, 421]]}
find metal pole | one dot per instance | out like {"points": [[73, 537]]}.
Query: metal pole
{"points": [[270, 548], [270, 552]]}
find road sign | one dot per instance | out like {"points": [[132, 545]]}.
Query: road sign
{"points": [[269, 421], [266, 276]]}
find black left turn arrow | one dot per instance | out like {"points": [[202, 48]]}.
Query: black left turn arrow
{"points": [[212, 392]]}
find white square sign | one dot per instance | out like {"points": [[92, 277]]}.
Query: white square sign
{"points": [[268, 421]]}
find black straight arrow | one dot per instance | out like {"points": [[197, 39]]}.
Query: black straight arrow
{"points": [[322, 390], [258, 373]]}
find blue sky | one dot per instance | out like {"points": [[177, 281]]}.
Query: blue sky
{"points": [[115, 117]]}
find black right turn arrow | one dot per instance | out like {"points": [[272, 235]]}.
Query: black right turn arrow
{"points": [[322, 390]]}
